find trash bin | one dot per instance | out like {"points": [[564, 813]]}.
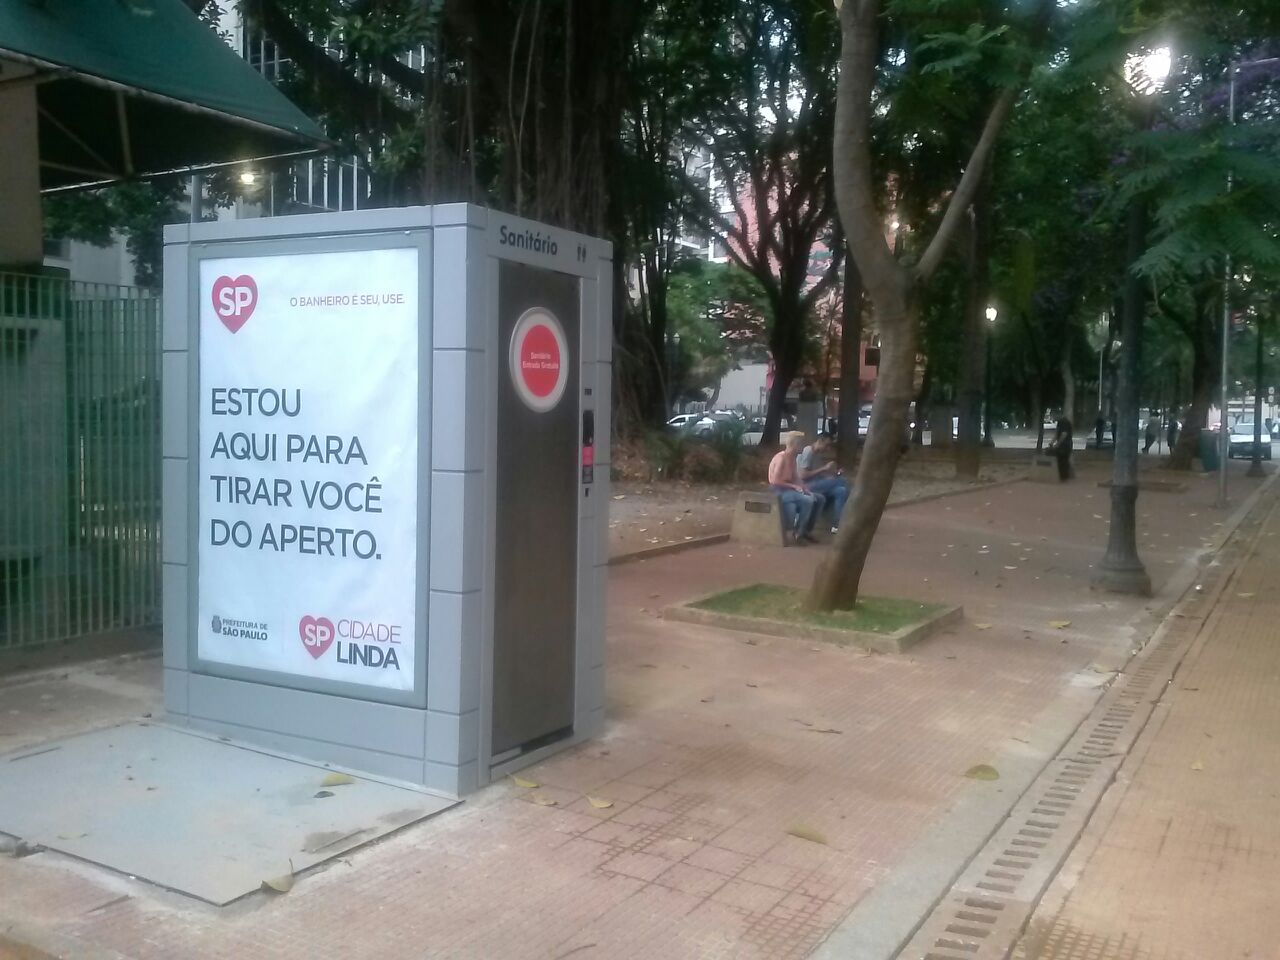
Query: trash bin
{"points": [[1209, 450]]}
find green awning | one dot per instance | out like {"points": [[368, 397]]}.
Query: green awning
{"points": [[131, 88]]}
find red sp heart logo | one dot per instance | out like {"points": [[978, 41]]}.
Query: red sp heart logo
{"points": [[317, 634], [234, 300]]}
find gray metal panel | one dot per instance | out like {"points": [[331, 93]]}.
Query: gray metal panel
{"points": [[588, 292], [347, 224], [453, 671], [176, 597], [460, 299], [309, 716], [540, 245], [452, 738], [447, 778], [535, 587], [176, 698], [604, 417], [174, 473], [322, 240], [457, 393], [359, 757], [455, 550], [174, 415], [174, 330]]}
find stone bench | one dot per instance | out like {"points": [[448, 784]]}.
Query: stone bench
{"points": [[757, 518]]}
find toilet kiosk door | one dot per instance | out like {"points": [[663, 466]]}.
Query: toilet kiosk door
{"points": [[536, 542]]}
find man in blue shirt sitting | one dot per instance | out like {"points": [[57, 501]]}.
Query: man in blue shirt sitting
{"points": [[820, 473]]}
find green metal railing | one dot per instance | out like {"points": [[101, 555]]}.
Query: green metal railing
{"points": [[79, 459]]}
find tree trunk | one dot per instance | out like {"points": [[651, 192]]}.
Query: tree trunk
{"points": [[774, 406], [1068, 384], [1037, 403], [940, 425], [850, 363], [973, 360], [836, 584], [1204, 362], [917, 409]]}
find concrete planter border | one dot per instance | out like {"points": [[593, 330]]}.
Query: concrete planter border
{"points": [[897, 642]]}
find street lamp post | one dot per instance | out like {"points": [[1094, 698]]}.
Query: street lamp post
{"points": [[992, 313], [1224, 439], [1121, 569], [1255, 464]]}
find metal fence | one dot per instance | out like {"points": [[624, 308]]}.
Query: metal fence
{"points": [[79, 459]]}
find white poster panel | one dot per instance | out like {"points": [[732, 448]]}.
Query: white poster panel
{"points": [[309, 465]]}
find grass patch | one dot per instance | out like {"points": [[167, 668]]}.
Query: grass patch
{"points": [[772, 602]]}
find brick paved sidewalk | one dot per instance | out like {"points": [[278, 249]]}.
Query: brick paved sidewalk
{"points": [[1182, 859], [718, 752]]}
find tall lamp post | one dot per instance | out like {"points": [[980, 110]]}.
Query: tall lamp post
{"points": [[1121, 569], [992, 313], [1255, 464], [1224, 439]]}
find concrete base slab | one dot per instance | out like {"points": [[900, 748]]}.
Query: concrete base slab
{"points": [[206, 817], [897, 642]]}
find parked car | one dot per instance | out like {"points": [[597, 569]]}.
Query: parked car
{"points": [[1240, 440], [683, 421]]}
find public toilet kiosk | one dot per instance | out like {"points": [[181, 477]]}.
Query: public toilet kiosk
{"points": [[386, 476]]}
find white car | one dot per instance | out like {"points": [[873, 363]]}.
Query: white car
{"points": [[1240, 441], [683, 421]]}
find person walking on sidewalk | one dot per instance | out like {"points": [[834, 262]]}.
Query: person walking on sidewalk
{"points": [[800, 505], [1152, 430], [820, 473], [1060, 447]]}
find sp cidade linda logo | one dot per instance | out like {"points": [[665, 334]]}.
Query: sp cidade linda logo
{"points": [[364, 643], [234, 300]]}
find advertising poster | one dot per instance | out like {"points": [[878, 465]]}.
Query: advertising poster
{"points": [[308, 465]]}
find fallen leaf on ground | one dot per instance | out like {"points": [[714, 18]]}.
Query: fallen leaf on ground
{"points": [[824, 730], [542, 801], [1198, 765], [620, 496], [1007, 567], [982, 626], [1245, 596], [599, 803], [281, 884], [1059, 624], [982, 771], [71, 836], [337, 780], [805, 832], [522, 782], [321, 794]]}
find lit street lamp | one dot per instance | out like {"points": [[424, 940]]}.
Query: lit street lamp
{"points": [[1121, 569], [992, 313]]}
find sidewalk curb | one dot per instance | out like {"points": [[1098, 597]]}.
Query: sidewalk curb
{"points": [[662, 550], [880, 926], [648, 553]]}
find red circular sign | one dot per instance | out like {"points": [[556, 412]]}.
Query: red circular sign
{"points": [[539, 360], [539, 353]]}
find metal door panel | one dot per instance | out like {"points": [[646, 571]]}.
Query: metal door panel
{"points": [[535, 595]]}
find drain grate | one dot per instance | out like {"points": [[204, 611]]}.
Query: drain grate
{"points": [[989, 904]]}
